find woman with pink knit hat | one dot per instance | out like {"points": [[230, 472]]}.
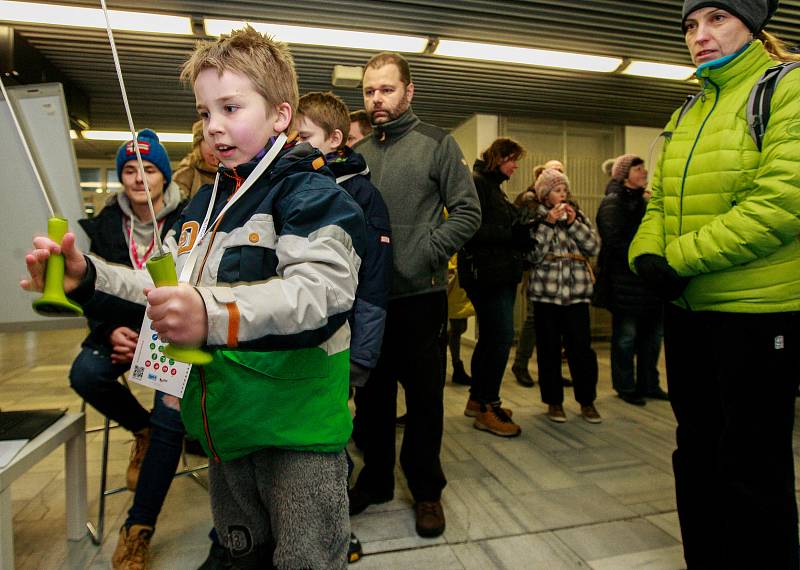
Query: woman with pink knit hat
{"points": [[560, 287], [636, 312]]}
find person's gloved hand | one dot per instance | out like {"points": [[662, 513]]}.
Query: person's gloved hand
{"points": [[659, 276], [358, 374], [521, 236]]}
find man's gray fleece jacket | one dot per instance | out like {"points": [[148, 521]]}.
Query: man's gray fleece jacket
{"points": [[420, 170]]}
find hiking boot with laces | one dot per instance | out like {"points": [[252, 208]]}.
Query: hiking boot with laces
{"points": [[138, 451], [555, 413], [133, 548], [474, 408], [590, 414], [430, 518], [494, 419]]}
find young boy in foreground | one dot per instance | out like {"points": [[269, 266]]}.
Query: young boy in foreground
{"points": [[271, 283], [323, 120]]}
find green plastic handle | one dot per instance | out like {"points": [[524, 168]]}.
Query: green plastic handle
{"points": [[54, 302], [162, 270]]}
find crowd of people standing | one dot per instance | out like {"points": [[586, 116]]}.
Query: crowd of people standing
{"points": [[707, 259]]}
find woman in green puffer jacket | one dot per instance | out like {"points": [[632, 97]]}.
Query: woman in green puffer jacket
{"points": [[720, 240]]}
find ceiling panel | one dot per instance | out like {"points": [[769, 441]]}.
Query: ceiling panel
{"points": [[448, 90]]}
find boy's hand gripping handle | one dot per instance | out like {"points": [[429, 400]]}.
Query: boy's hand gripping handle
{"points": [[162, 270], [53, 302]]}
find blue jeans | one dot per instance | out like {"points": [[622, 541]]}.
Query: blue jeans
{"points": [[94, 377], [160, 462], [494, 308], [639, 337]]}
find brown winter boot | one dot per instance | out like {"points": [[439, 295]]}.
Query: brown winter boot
{"points": [[133, 548], [138, 451]]}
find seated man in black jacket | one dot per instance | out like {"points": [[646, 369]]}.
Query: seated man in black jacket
{"points": [[123, 233]]}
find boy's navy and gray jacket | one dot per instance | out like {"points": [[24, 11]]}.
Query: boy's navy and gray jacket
{"points": [[420, 170], [278, 275], [618, 217], [375, 275]]}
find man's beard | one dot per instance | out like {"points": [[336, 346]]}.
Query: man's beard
{"points": [[391, 113]]}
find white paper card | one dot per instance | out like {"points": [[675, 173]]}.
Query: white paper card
{"points": [[152, 368]]}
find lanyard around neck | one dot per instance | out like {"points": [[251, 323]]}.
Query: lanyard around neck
{"points": [[261, 167], [133, 251]]}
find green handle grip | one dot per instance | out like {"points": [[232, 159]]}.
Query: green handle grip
{"points": [[54, 302], [162, 270]]}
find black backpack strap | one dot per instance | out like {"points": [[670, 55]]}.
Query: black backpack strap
{"points": [[687, 105], [760, 100]]}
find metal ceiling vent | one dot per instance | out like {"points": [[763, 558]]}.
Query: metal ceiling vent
{"points": [[346, 75]]}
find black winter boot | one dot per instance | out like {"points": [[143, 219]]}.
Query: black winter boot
{"points": [[460, 375]]}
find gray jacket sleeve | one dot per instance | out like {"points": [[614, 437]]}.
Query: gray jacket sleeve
{"points": [[459, 197]]}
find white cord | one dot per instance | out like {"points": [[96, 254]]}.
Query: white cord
{"points": [[134, 133], [27, 150]]}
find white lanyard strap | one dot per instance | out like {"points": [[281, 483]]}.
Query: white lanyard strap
{"points": [[261, 167], [347, 177]]}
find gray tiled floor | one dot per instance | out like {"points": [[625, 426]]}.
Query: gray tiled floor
{"points": [[560, 496]]}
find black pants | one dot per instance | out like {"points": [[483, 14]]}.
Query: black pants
{"points": [[732, 381], [413, 353], [572, 323]]}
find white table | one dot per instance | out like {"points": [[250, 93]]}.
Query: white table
{"points": [[69, 430]]}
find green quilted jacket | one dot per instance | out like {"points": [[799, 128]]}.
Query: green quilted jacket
{"points": [[722, 213]]}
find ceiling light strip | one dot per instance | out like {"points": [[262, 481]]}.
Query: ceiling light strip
{"points": [[80, 17], [123, 136], [659, 70], [324, 36], [527, 56]]}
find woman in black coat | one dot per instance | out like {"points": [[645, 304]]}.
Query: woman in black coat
{"points": [[489, 269], [636, 311]]}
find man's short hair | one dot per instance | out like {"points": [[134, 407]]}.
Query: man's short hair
{"points": [[385, 58], [326, 110], [266, 62], [362, 118]]}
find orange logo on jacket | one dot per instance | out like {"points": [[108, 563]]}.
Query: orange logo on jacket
{"points": [[189, 232]]}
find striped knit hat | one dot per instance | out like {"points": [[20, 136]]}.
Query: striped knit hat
{"points": [[548, 180], [622, 166]]}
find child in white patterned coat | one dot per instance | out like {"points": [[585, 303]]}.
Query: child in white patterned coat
{"points": [[560, 288]]}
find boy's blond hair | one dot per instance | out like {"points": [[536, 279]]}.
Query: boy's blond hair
{"points": [[266, 62], [327, 111]]}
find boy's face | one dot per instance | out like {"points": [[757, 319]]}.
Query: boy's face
{"points": [[355, 134], [237, 122], [313, 134], [133, 185]]}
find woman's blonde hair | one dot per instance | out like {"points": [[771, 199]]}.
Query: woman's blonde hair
{"points": [[776, 47]]}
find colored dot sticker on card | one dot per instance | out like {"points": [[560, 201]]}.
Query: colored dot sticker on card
{"points": [[152, 346], [160, 349], [163, 359], [165, 368], [174, 371], [171, 362]]}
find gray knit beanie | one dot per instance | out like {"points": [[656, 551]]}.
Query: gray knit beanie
{"points": [[548, 180], [753, 13]]}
